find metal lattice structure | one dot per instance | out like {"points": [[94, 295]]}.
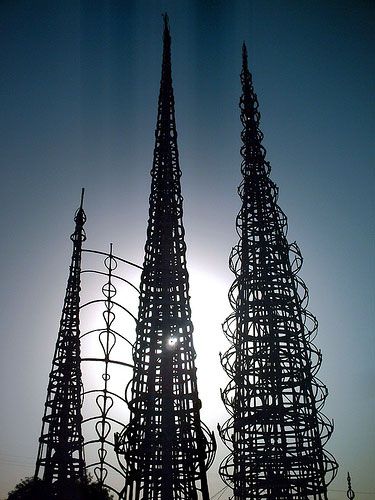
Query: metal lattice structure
{"points": [[277, 432], [60, 455], [165, 449], [107, 326]]}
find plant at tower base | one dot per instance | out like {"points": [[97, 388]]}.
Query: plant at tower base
{"points": [[36, 489], [165, 450], [276, 431]]}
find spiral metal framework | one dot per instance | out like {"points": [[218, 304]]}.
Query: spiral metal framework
{"points": [[276, 431], [165, 449], [105, 405], [60, 455]]}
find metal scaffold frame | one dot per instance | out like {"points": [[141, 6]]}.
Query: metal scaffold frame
{"points": [[60, 455], [106, 358], [276, 431], [81, 415], [166, 449]]}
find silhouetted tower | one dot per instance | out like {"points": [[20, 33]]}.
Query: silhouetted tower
{"points": [[166, 448], [60, 456], [276, 432]]}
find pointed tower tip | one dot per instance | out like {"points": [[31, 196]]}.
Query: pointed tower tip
{"points": [[166, 21], [244, 55], [82, 196], [166, 41], [167, 34]]}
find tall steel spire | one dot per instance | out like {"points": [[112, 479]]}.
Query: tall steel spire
{"points": [[60, 455], [166, 448], [276, 432]]}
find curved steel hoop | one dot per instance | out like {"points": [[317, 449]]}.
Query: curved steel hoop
{"points": [[107, 339], [276, 432], [60, 455], [165, 450]]}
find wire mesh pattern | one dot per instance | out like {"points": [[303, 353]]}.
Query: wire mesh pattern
{"points": [[276, 431], [106, 359], [60, 454], [165, 450]]}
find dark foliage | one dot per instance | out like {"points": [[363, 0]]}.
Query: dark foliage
{"points": [[36, 489]]}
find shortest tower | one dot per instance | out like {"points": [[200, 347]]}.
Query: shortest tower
{"points": [[60, 455]]}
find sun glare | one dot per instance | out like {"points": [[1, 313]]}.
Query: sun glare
{"points": [[210, 307]]}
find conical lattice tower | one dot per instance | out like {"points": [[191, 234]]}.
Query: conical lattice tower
{"points": [[276, 432], [166, 448], [60, 455]]}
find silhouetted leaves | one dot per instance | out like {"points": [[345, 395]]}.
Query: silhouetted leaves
{"points": [[36, 489]]}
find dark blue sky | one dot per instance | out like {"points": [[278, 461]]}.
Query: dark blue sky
{"points": [[79, 86]]}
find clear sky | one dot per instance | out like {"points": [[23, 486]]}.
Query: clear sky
{"points": [[79, 86]]}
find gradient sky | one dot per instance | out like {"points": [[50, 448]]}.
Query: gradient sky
{"points": [[79, 86]]}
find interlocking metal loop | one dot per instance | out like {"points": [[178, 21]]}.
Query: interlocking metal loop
{"points": [[276, 432], [60, 454], [165, 450], [105, 350]]}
